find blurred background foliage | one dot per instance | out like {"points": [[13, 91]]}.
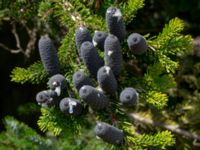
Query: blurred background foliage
{"points": [[21, 15]]}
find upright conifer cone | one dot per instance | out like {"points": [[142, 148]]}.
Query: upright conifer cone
{"points": [[80, 79], [58, 83], [82, 35], [129, 97], [115, 23], [48, 55], [109, 133], [113, 54], [137, 43], [96, 99], [106, 80], [47, 98], [71, 106], [99, 39], [91, 58]]}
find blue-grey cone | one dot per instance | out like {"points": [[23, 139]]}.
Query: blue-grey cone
{"points": [[71, 106], [48, 55], [137, 43], [96, 99], [91, 58], [113, 54], [106, 80], [99, 39], [58, 83], [82, 34], [115, 23], [47, 98], [129, 97], [109, 133], [80, 79]]}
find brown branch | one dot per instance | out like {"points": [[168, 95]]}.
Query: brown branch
{"points": [[18, 45], [32, 33], [14, 31], [173, 128], [14, 51], [8, 144]]}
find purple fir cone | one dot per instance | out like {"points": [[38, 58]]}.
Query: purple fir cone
{"points": [[109, 133], [48, 55], [115, 23], [93, 97]]}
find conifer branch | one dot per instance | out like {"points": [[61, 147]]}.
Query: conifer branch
{"points": [[173, 128]]}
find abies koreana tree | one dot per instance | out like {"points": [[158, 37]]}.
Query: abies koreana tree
{"points": [[94, 90]]}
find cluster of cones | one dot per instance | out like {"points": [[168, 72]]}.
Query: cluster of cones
{"points": [[105, 71]]}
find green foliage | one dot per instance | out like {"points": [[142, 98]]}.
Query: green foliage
{"points": [[34, 74], [157, 99], [54, 121], [18, 136], [170, 42], [33, 108], [161, 139], [130, 8]]}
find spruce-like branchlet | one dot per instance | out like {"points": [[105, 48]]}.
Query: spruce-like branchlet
{"points": [[96, 99], [47, 98], [82, 35], [91, 58], [80, 79], [58, 83], [48, 55], [106, 80], [137, 43], [71, 106], [113, 54], [129, 97], [109, 133], [99, 39], [115, 23]]}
